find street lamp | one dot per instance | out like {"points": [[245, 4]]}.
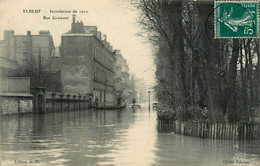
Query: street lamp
{"points": [[149, 92]]}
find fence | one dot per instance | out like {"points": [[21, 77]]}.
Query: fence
{"points": [[59, 102], [211, 131]]}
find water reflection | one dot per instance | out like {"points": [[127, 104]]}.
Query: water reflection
{"points": [[110, 137]]}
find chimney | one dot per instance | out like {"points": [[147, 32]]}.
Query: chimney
{"points": [[44, 32], [99, 35], [7, 33], [28, 33], [105, 37], [73, 24], [74, 18], [108, 45]]}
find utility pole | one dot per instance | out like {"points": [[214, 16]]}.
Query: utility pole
{"points": [[149, 92]]}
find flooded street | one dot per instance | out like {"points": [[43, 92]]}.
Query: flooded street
{"points": [[111, 137]]}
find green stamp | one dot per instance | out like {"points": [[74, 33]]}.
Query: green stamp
{"points": [[236, 19]]}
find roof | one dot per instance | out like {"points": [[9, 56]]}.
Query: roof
{"points": [[85, 31], [77, 34]]}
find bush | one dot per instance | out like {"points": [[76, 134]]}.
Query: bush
{"points": [[197, 114], [193, 114], [164, 112]]}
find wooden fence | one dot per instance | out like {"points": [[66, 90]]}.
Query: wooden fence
{"points": [[211, 131]]}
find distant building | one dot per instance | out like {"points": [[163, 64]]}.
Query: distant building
{"points": [[122, 78], [142, 91], [20, 47], [87, 63], [32, 55]]}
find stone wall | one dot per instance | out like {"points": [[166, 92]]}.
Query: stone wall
{"points": [[15, 104], [15, 97]]}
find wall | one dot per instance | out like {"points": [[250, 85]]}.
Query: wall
{"points": [[15, 95], [15, 104], [103, 72], [9, 68], [17, 45], [59, 102], [15, 84], [26, 49], [87, 63], [76, 64]]}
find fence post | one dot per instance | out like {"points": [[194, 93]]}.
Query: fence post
{"points": [[235, 131], [250, 132], [209, 131], [228, 129], [222, 131], [231, 132], [244, 132], [258, 131], [61, 99], [53, 101], [221, 127], [19, 107], [182, 128], [74, 102], [213, 131], [68, 98], [233, 128], [198, 131], [202, 129], [79, 102], [84, 100]]}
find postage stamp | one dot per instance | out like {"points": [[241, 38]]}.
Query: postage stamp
{"points": [[236, 19]]}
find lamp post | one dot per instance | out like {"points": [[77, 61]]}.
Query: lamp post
{"points": [[149, 93]]}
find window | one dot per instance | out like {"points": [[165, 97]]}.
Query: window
{"points": [[95, 72], [24, 44], [94, 51], [24, 56]]}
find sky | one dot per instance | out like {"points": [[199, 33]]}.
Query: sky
{"points": [[115, 18]]}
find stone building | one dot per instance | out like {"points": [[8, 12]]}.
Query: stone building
{"points": [[87, 63], [32, 55], [20, 47], [122, 85]]}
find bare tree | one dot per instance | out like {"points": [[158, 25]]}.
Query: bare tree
{"points": [[37, 65]]}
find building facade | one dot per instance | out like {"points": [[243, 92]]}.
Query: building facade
{"points": [[30, 56], [20, 47], [123, 87], [87, 63]]}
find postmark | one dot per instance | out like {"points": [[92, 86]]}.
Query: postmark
{"points": [[236, 19]]}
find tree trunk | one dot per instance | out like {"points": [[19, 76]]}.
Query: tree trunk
{"points": [[231, 87], [250, 75], [210, 60], [258, 70]]}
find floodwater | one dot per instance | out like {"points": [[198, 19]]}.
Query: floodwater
{"points": [[111, 137]]}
